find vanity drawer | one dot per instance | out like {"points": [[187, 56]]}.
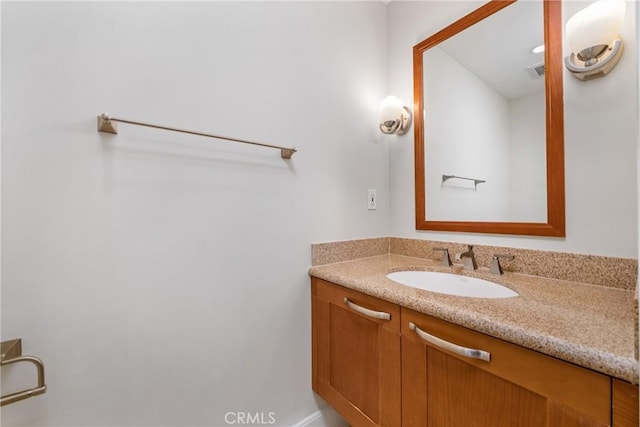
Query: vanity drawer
{"points": [[461, 362], [355, 301]]}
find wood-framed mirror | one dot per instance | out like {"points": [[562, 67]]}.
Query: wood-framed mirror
{"points": [[444, 179]]}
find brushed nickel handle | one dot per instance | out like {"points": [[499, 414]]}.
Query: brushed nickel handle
{"points": [[471, 353], [369, 313], [445, 261], [495, 267]]}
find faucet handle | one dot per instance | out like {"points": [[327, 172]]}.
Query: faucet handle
{"points": [[468, 258], [445, 261], [495, 263]]}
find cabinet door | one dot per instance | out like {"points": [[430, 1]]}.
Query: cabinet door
{"points": [[444, 386], [625, 404], [356, 354]]}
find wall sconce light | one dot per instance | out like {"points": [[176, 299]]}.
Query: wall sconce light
{"points": [[395, 117], [592, 36]]}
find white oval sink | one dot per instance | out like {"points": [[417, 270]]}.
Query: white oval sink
{"points": [[452, 284]]}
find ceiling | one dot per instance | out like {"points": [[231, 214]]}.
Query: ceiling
{"points": [[497, 49]]}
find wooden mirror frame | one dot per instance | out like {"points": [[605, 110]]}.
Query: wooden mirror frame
{"points": [[555, 225]]}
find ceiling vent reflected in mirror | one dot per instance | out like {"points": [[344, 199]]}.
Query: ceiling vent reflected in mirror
{"points": [[537, 70]]}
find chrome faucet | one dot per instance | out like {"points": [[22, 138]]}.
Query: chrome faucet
{"points": [[468, 259]]}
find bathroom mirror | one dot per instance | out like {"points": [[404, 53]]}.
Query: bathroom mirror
{"points": [[489, 131]]}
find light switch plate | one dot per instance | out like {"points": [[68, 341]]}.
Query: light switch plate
{"points": [[371, 200]]}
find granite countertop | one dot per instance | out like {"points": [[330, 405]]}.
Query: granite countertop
{"points": [[589, 325]]}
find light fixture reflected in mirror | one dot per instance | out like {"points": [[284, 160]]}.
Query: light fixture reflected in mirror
{"points": [[395, 117], [592, 36], [538, 49]]}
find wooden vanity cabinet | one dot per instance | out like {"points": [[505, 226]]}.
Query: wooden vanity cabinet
{"points": [[371, 362], [517, 387], [356, 354]]}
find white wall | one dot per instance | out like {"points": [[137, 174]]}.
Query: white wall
{"points": [[600, 153], [161, 277], [528, 179], [479, 149], [638, 141]]}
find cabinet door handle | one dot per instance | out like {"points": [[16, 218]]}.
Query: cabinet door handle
{"points": [[366, 311], [471, 353]]}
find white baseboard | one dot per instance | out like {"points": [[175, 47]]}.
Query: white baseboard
{"points": [[324, 417]]}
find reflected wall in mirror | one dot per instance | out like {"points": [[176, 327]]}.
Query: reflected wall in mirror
{"points": [[489, 135]]}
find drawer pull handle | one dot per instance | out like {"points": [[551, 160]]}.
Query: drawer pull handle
{"points": [[370, 313], [471, 353]]}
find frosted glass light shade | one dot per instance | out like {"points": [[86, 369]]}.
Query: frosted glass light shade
{"points": [[592, 35], [597, 24], [390, 108], [395, 117]]}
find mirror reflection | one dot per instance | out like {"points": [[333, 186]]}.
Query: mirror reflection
{"points": [[484, 114]]}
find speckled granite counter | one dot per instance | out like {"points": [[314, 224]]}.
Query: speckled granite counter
{"points": [[589, 325]]}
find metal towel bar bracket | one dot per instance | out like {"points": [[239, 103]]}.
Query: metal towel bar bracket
{"points": [[475, 180], [108, 124], [12, 353]]}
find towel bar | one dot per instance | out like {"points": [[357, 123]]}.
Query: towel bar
{"points": [[12, 353], [475, 180], [107, 124]]}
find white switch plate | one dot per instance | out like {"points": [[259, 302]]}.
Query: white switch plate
{"points": [[371, 200]]}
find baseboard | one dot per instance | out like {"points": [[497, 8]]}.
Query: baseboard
{"points": [[324, 417], [311, 418]]}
